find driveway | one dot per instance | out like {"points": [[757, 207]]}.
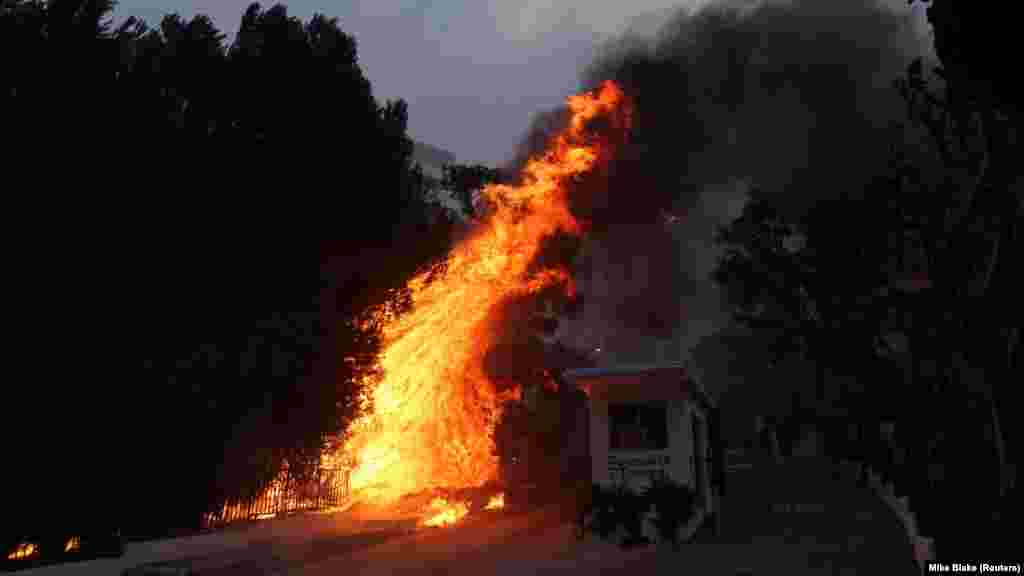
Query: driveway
{"points": [[802, 516]]}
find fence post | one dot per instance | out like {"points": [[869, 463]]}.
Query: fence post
{"points": [[288, 492]]}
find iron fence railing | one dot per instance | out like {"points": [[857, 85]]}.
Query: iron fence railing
{"points": [[329, 488]]}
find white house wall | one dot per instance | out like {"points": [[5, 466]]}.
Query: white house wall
{"points": [[680, 433], [599, 441], [680, 437]]}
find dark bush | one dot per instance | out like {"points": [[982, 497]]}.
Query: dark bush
{"points": [[674, 504], [630, 509], [612, 508], [602, 505]]}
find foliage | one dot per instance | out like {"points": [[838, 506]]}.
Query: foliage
{"points": [[970, 43], [821, 298], [618, 507], [921, 255], [674, 504], [528, 444], [973, 199], [466, 179], [603, 509], [630, 509], [762, 277], [244, 325]]}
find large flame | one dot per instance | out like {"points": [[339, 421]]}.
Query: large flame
{"points": [[432, 407]]}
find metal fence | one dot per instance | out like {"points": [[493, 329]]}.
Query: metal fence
{"points": [[329, 488]]}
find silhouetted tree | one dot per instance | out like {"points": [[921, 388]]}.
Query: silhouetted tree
{"points": [[764, 279], [819, 296], [528, 442], [922, 257], [973, 200], [465, 179], [219, 152]]}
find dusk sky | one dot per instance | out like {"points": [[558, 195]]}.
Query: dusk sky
{"points": [[473, 73]]}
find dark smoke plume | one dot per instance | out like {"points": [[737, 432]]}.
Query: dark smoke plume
{"points": [[794, 97], [788, 99]]}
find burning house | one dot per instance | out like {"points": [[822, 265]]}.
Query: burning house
{"points": [[650, 423], [631, 413]]}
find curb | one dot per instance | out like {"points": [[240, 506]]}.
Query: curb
{"points": [[922, 547], [157, 571]]}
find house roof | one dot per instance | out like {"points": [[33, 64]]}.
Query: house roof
{"points": [[633, 382], [621, 370], [559, 358]]}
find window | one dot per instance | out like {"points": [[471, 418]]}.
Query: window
{"points": [[638, 426]]}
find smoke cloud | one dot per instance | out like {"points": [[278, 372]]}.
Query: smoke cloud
{"points": [[785, 95], [531, 20], [788, 100]]}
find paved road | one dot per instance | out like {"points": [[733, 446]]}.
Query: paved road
{"points": [[268, 542], [798, 517], [807, 512], [803, 516]]}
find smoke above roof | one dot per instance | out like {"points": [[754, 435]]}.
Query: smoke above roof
{"points": [[787, 99]]}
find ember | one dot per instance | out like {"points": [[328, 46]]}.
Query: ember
{"points": [[432, 408], [497, 502], [73, 544], [24, 551]]}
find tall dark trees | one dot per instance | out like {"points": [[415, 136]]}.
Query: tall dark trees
{"points": [[905, 286], [215, 172], [970, 108]]}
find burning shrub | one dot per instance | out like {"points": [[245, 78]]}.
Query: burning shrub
{"points": [[527, 443], [434, 404]]}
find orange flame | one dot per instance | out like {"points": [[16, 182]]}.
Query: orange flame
{"points": [[74, 544], [444, 513], [24, 551], [431, 408], [497, 502]]}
